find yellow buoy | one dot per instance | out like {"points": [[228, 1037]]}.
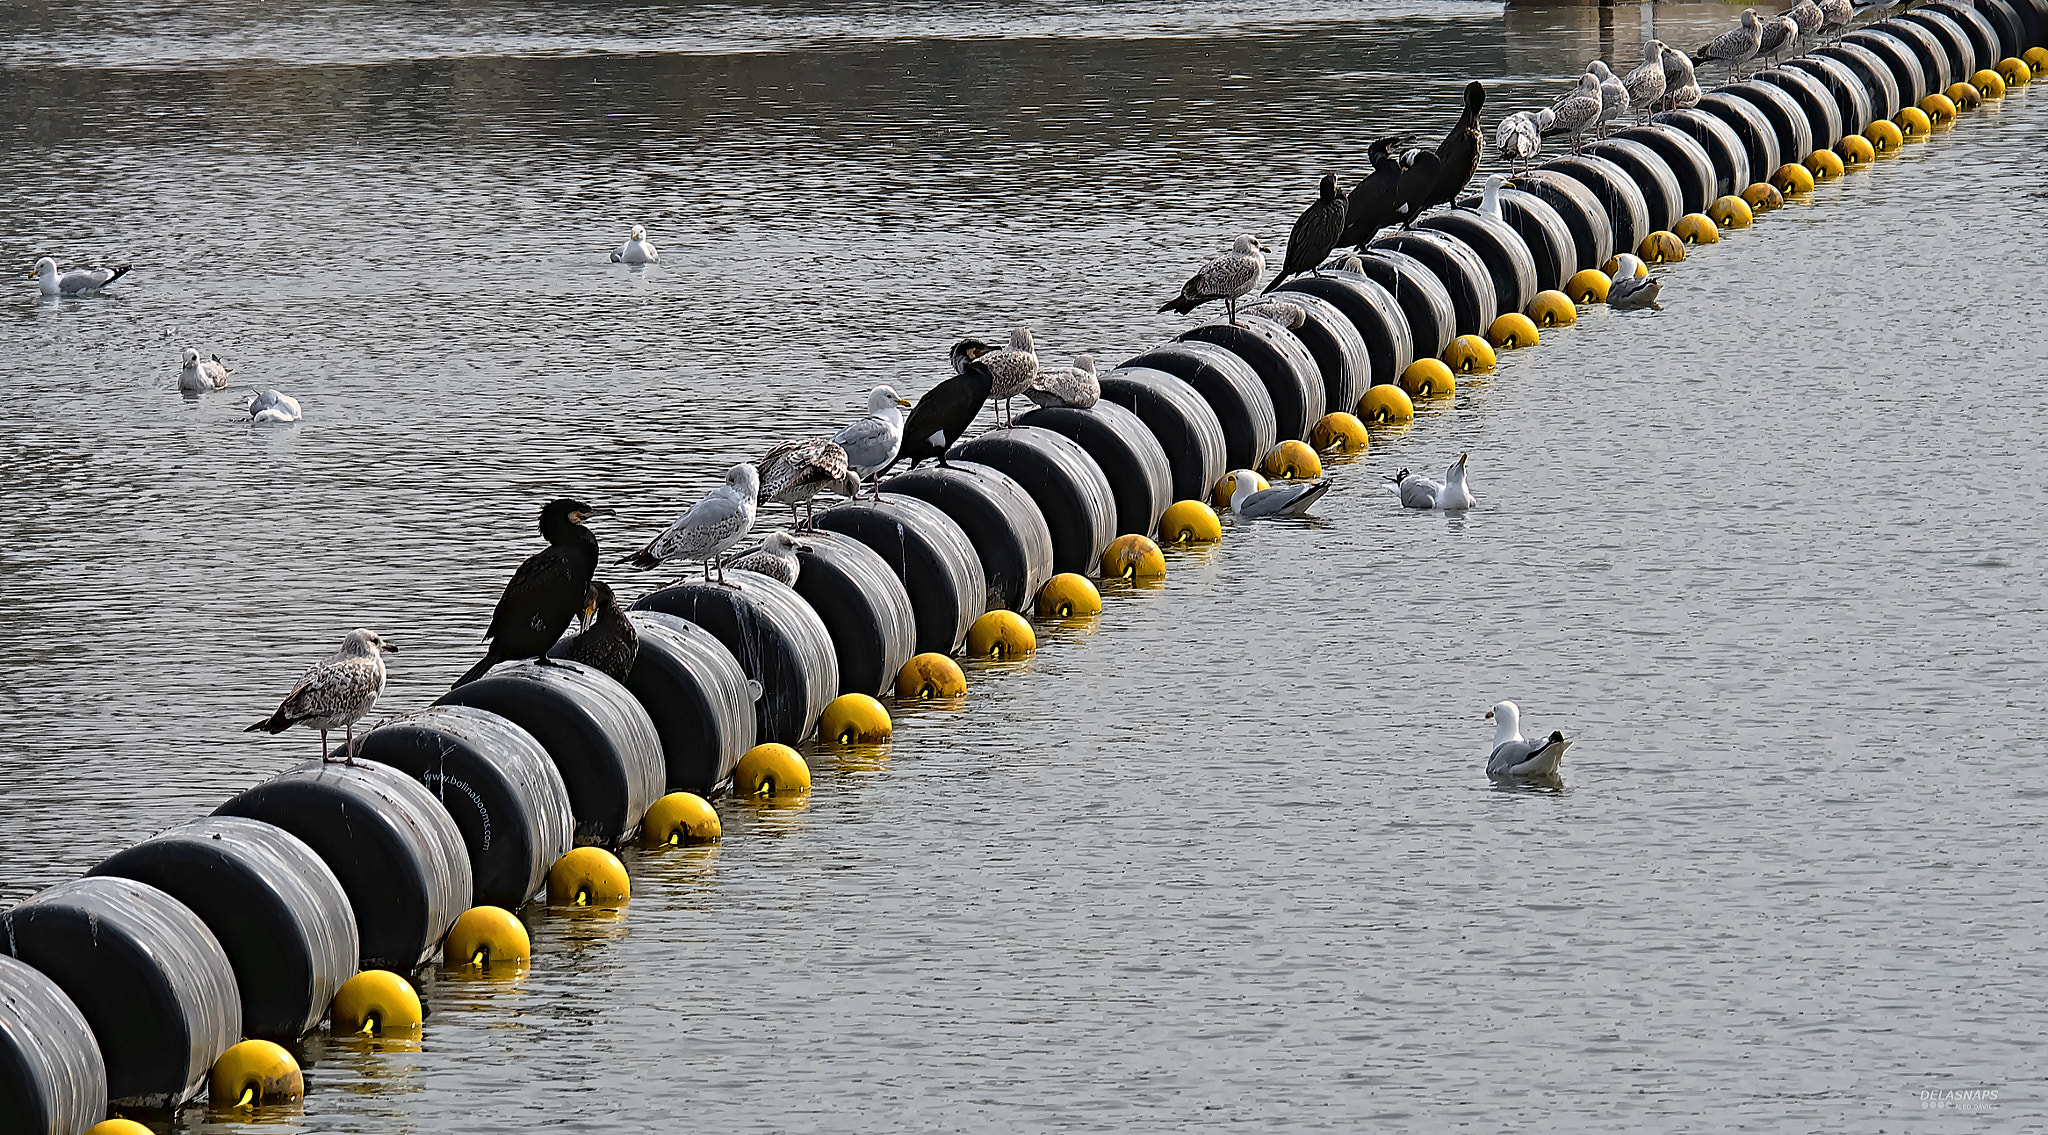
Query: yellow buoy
{"points": [[488, 936], [1885, 136], [592, 876], [1990, 84], [1339, 433], [1660, 247], [1292, 460], [1468, 354], [1132, 556], [927, 676], [1000, 634], [679, 818], [1190, 522], [1227, 487], [118, 1126], [1588, 285], [1762, 197], [767, 769], [2036, 59], [376, 1001], [254, 1073], [1792, 179], [1424, 378], [1731, 212], [1550, 308], [858, 719], [1940, 110], [1512, 330], [1698, 228], [1825, 165], [1914, 124], [1856, 151], [1068, 596], [2015, 72], [1965, 96], [1387, 403], [1613, 266]]}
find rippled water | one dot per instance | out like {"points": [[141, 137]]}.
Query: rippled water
{"points": [[1225, 858]]}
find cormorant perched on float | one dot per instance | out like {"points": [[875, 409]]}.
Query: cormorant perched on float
{"points": [[1373, 204], [943, 414], [610, 643], [1316, 233], [1457, 156], [546, 592]]}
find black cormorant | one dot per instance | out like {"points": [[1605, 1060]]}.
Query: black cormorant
{"points": [[1373, 204], [546, 592], [943, 414], [1316, 233], [1457, 156], [610, 642]]}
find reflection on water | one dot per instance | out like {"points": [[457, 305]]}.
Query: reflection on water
{"points": [[1228, 857]]}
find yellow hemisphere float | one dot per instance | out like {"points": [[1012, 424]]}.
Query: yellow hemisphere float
{"points": [[1468, 354], [1660, 247], [1989, 84], [1731, 212], [999, 635], [1914, 124], [1132, 556], [1792, 179], [679, 818], [1698, 228], [485, 937], [2015, 72], [1424, 378], [1762, 197], [591, 876], [857, 719], [252, 1074], [1856, 151], [1339, 433], [1588, 285], [929, 675], [378, 1002], [1940, 110], [767, 769], [1068, 596], [1292, 460], [1965, 96], [1825, 165], [1512, 331], [1550, 308], [1190, 522]]}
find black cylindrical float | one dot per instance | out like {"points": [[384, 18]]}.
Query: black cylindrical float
{"points": [[395, 850], [1725, 152], [1956, 42], [1140, 477], [1376, 318], [598, 735], [2012, 38], [1627, 210], [1002, 523], [700, 700], [1184, 423], [1759, 136], [1853, 105], [499, 785], [1983, 37], [1425, 303], [1816, 102], [1899, 56], [277, 911], [1687, 160], [931, 555], [1875, 74], [1282, 362], [1232, 389], [1552, 251], [1787, 119], [1341, 355], [2033, 16], [1071, 492], [864, 608], [52, 1080], [1663, 200], [776, 638], [1506, 255], [1584, 216], [1928, 49], [1460, 269], [146, 974]]}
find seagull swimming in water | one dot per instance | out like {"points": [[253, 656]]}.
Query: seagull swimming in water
{"points": [[74, 281], [1512, 756], [721, 519], [871, 442], [1250, 502], [199, 375], [774, 557], [336, 693], [637, 249], [1229, 278], [1632, 293], [1417, 491], [271, 406]]}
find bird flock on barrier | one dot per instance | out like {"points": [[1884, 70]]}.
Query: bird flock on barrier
{"points": [[556, 586]]}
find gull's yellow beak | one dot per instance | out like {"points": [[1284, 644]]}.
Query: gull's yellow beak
{"points": [[903, 402]]}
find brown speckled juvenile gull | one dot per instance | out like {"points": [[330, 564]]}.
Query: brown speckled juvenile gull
{"points": [[774, 557], [796, 471], [1226, 278], [1075, 386], [1013, 368], [336, 693]]}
